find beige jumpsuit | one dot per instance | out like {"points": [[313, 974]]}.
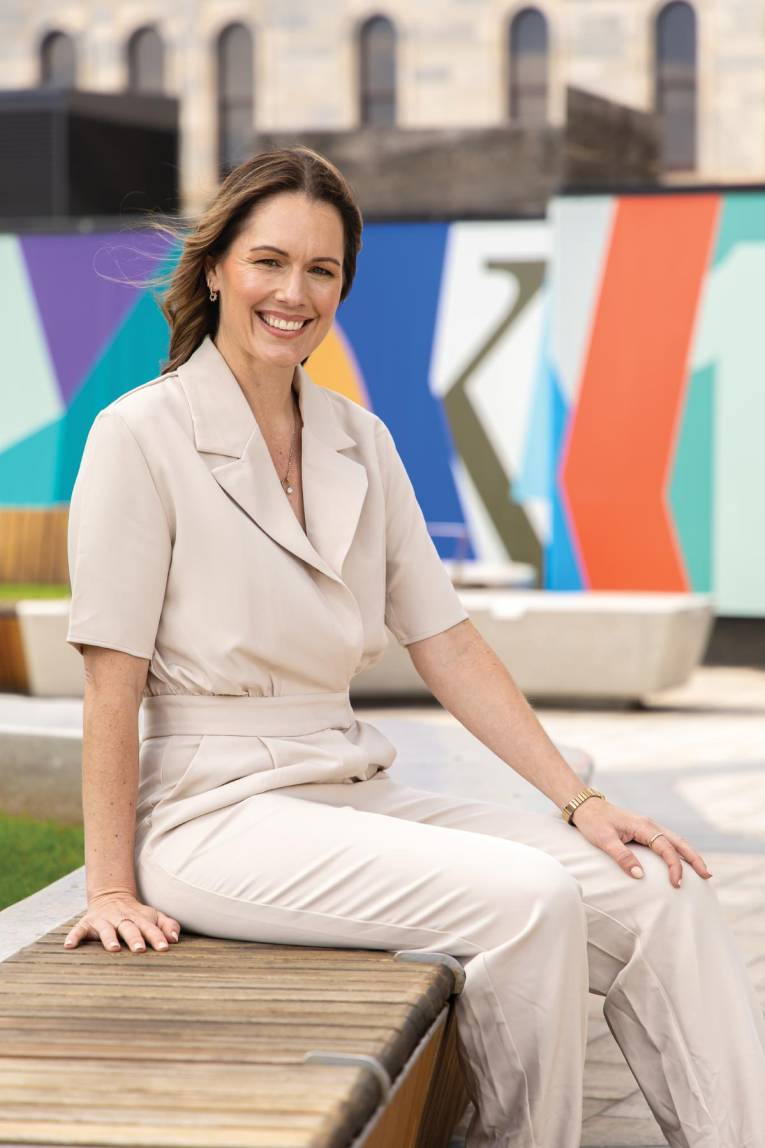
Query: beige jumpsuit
{"points": [[268, 812]]}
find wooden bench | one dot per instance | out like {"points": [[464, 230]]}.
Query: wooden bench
{"points": [[226, 1044]]}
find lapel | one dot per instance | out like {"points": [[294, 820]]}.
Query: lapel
{"points": [[334, 486]]}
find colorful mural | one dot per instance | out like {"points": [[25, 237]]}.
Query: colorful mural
{"points": [[584, 395], [657, 363]]}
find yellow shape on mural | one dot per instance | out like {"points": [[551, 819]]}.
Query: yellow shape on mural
{"points": [[333, 365]]}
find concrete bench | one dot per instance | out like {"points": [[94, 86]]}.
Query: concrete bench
{"points": [[565, 646], [220, 1043]]}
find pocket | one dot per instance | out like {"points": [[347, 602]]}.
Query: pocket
{"points": [[178, 759], [225, 764]]}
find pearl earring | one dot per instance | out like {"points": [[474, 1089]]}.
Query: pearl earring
{"points": [[213, 295]]}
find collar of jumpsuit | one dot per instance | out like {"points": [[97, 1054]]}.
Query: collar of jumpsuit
{"points": [[334, 485]]}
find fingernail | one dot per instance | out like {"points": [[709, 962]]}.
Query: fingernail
{"points": [[161, 944], [636, 871], [174, 936], [113, 946]]}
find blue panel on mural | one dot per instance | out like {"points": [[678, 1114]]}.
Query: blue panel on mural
{"points": [[389, 318], [562, 570]]}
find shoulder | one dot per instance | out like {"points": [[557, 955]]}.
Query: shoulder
{"points": [[351, 414], [147, 410]]}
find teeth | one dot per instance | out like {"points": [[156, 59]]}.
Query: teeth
{"points": [[283, 324]]}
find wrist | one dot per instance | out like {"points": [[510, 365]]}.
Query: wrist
{"points": [[573, 804], [112, 891]]}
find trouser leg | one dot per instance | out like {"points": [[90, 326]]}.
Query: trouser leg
{"points": [[280, 869], [678, 996]]}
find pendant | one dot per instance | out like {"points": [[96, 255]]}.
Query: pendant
{"points": [[287, 486]]}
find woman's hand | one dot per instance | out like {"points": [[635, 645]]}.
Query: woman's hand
{"points": [[610, 827], [118, 914]]}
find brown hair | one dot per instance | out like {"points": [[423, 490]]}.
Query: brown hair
{"points": [[186, 303]]}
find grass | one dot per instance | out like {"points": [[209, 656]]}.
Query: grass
{"points": [[9, 591], [34, 853]]}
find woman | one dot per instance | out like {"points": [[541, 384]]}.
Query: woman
{"points": [[239, 538]]}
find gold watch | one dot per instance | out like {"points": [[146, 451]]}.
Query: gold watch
{"points": [[572, 805]]}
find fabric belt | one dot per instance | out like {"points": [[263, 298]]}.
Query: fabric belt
{"points": [[278, 716]]}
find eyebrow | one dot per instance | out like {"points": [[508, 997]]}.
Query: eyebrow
{"points": [[318, 259]]}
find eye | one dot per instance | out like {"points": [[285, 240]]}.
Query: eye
{"points": [[275, 262]]}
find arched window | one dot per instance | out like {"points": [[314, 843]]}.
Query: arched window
{"points": [[377, 71], [58, 65], [676, 85], [529, 51], [235, 84], [146, 61]]}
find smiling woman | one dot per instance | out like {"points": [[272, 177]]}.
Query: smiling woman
{"points": [[241, 540]]}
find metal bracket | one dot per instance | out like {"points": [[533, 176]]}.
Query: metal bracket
{"points": [[445, 959], [360, 1058]]}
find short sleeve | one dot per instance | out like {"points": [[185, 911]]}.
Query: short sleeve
{"points": [[119, 544], [420, 599]]}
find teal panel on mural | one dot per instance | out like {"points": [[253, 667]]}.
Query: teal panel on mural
{"points": [[730, 337], [134, 356], [29, 469], [692, 485], [742, 220]]}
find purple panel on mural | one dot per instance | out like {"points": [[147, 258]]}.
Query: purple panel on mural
{"points": [[81, 306]]}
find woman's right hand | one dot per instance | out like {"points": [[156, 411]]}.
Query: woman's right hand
{"points": [[120, 914]]}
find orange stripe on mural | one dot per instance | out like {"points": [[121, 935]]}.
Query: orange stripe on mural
{"points": [[617, 461]]}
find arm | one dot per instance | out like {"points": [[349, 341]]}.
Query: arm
{"points": [[114, 685], [465, 675]]}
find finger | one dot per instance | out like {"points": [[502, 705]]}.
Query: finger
{"points": [[624, 857], [154, 935], [132, 935], [76, 934], [666, 850], [169, 926], [689, 853], [108, 934]]}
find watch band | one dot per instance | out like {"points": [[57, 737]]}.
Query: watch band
{"points": [[571, 806]]}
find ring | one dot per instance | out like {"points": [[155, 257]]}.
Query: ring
{"points": [[121, 920], [659, 834]]}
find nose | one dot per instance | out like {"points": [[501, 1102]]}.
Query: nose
{"points": [[291, 289]]}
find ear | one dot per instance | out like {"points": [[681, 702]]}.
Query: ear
{"points": [[210, 271]]}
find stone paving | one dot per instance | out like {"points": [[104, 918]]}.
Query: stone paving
{"points": [[693, 759]]}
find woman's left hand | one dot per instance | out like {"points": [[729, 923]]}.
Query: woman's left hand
{"points": [[610, 827]]}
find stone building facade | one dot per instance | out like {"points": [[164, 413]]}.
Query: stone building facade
{"points": [[287, 66]]}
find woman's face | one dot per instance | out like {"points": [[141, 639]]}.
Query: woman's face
{"points": [[286, 264]]}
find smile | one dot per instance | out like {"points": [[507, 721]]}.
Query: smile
{"points": [[283, 327]]}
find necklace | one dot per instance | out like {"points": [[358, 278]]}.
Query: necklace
{"points": [[285, 481]]}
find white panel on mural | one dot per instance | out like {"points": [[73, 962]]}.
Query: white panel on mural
{"points": [[474, 298], [29, 395], [581, 230]]}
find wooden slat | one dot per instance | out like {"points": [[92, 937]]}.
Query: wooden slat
{"points": [[13, 666], [33, 544]]}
